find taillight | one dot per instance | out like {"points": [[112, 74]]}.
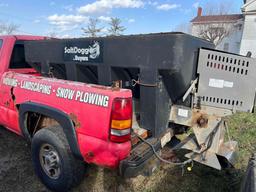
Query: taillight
{"points": [[121, 120]]}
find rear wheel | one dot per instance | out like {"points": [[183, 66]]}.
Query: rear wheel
{"points": [[54, 163]]}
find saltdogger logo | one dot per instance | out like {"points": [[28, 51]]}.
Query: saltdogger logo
{"points": [[83, 51], [94, 50]]}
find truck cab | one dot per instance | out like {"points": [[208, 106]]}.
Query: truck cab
{"points": [[12, 58]]}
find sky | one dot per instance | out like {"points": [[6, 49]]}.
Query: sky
{"points": [[65, 18]]}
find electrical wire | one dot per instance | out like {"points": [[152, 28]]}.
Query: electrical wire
{"points": [[160, 158]]}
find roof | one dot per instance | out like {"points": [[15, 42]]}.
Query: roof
{"points": [[217, 18], [249, 6]]}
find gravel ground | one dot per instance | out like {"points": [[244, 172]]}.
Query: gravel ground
{"points": [[17, 174]]}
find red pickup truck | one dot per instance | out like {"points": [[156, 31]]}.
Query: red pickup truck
{"points": [[66, 97], [67, 122]]}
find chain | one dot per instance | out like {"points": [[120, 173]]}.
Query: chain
{"points": [[138, 82]]}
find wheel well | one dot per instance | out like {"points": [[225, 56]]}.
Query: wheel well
{"points": [[37, 121], [35, 116]]}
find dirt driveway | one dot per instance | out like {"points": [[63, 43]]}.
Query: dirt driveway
{"points": [[16, 174]]}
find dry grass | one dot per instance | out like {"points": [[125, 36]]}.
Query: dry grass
{"points": [[17, 173]]}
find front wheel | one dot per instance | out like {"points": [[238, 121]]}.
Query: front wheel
{"points": [[54, 163]]}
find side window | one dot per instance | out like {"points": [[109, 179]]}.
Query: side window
{"points": [[18, 57]]}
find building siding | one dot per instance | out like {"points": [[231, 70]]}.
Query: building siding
{"points": [[248, 42]]}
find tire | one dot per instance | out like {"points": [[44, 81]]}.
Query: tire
{"points": [[53, 161]]}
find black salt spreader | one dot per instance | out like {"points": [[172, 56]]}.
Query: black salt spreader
{"points": [[180, 84]]}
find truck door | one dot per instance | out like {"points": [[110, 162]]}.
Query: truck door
{"points": [[9, 112]]}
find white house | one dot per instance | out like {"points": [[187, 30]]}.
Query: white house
{"points": [[233, 22], [248, 42], [242, 35]]}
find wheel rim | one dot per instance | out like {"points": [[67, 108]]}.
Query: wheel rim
{"points": [[50, 161]]}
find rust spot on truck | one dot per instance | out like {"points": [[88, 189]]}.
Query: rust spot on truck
{"points": [[12, 95], [7, 104], [105, 87], [73, 117], [89, 155], [100, 87]]}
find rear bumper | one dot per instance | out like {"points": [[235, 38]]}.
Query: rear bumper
{"points": [[130, 162], [141, 161], [103, 153]]}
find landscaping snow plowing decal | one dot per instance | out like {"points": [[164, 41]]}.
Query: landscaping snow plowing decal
{"points": [[59, 92]]}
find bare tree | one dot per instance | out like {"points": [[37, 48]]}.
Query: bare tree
{"points": [[8, 28], [92, 29], [115, 27], [216, 31]]}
